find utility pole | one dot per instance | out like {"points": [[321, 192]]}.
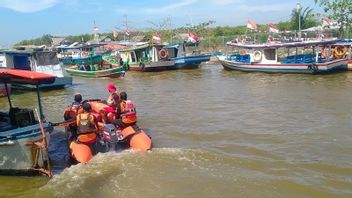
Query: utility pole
{"points": [[298, 7], [125, 24]]}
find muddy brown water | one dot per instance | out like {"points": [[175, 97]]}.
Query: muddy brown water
{"points": [[216, 133]]}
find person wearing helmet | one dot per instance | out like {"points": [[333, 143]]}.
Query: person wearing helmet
{"points": [[127, 116], [114, 97]]}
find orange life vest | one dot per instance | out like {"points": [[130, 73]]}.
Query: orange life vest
{"points": [[86, 128], [72, 111], [128, 112]]}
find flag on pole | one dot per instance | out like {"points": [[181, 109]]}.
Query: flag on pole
{"points": [[192, 37], [251, 25], [326, 21], [127, 32], [95, 27], [156, 37], [273, 28], [115, 33]]}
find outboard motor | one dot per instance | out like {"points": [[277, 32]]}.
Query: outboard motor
{"points": [[109, 133], [111, 139]]}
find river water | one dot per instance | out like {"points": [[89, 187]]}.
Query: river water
{"points": [[216, 133]]}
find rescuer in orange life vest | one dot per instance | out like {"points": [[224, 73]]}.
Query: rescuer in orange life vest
{"points": [[71, 113], [127, 116], [87, 128]]}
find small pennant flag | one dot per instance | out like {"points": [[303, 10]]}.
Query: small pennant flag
{"points": [[193, 38], [273, 28], [251, 25], [156, 37], [326, 21]]}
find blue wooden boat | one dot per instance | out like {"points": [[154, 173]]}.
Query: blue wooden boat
{"points": [[284, 57], [188, 59], [23, 140]]}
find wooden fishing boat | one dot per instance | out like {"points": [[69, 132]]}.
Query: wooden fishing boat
{"points": [[189, 59], [148, 57], [111, 71], [23, 140], [78, 53], [267, 57]]}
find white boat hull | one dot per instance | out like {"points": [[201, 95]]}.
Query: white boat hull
{"points": [[327, 67]]}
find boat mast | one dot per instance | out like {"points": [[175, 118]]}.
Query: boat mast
{"points": [[8, 95]]}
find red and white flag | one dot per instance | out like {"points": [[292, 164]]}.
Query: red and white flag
{"points": [[127, 32], [192, 37], [156, 37], [251, 25], [326, 21], [115, 33], [273, 28]]}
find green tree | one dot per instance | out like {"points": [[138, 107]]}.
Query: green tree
{"points": [[306, 16], [339, 10]]}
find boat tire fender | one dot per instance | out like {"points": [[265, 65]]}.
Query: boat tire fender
{"points": [[257, 56], [340, 51], [313, 68], [163, 53], [141, 65]]}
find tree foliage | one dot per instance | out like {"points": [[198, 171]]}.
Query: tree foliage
{"points": [[339, 10], [306, 17]]}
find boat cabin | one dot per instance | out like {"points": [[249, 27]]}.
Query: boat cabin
{"points": [[32, 60], [21, 134], [148, 53], [283, 53]]}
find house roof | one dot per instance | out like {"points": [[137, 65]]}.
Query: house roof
{"points": [[59, 40]]}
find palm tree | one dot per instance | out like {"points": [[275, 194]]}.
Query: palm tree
{"points": [[307, 18]]}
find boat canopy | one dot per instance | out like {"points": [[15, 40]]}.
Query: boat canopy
{"points": [[80, 46], [285, 45], [25, 77]]}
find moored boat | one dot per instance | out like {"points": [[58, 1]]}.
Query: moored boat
{"points": [[112, 72], [316, 57], [37, 61], [189, 59], [148, 57], [79, 54], [23, 139]]}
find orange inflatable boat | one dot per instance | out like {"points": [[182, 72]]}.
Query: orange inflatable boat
{"points": [[109, 136]]}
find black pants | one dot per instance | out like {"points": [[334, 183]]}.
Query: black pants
{"points": [[121, 125]]}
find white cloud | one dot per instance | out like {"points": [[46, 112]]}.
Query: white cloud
{"points": [[28, 6], [169, 7], [225, 2]]}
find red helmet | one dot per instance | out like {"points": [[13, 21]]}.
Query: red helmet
{"points": [[111, 87]]}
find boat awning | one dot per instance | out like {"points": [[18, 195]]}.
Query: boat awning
{"points": [[25, 77], [285, 45]]}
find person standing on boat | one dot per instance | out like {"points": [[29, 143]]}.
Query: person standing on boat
{"points": [[87, 128], [127, 116]]}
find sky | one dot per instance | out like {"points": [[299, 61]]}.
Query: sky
{"points": [[28, 19]]}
